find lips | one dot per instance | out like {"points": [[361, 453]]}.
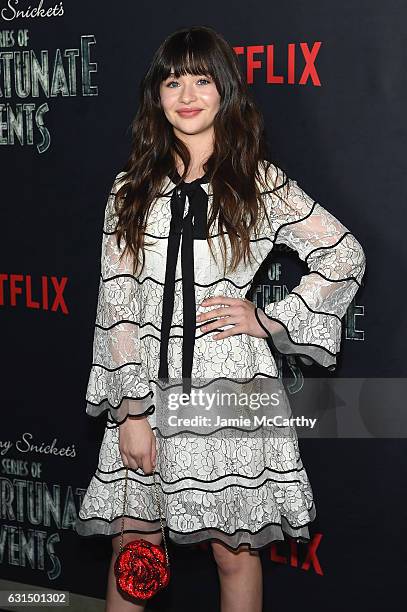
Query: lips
{"points": [[189, 113]]}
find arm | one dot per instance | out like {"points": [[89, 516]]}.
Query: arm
{"points": [[307, 322], [116, 374]]}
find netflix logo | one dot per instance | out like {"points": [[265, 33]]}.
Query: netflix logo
{"points": [[308, 562], [44, 293], [299, 61]]}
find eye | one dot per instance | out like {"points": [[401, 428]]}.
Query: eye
{"points": [[169, 83]]}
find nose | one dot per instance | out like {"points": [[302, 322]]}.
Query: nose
{"points": [[187, 93]]}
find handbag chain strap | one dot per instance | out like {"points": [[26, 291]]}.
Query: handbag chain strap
{"points": [[159, 509]]}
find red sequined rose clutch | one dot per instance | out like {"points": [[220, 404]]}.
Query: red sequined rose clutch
{"points": [[141, 568]]}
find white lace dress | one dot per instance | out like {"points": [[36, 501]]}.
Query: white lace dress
{"points": [[234, 488]]}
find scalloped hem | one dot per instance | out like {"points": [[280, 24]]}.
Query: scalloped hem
{"points": [[310, 354], [269, 533], [119, 414]]}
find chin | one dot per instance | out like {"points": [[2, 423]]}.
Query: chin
{"points": [[193, 128]]}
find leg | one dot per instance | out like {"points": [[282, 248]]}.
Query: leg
{"points": [[241, 579], [114, 600]]}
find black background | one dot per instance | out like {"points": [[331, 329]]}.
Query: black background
{"points": [[344, 142]]}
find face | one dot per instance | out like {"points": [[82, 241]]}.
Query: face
{"points": [[190, 91]]}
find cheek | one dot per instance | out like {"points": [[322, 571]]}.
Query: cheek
{"points": [[212, 98], [167, 99]]}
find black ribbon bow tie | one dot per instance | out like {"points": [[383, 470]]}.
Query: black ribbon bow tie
{"points": [[192, 225]]}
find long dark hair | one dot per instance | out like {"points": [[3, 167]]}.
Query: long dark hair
{"points": [[233, 167]]}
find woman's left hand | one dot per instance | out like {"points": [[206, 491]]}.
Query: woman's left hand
{"points": [[236, 311]]}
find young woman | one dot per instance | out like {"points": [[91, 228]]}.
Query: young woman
{"points": [[187, 224]]}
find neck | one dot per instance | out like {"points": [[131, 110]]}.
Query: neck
{"points": [[200, 148]]}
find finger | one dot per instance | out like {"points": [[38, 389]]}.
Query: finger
{"points": [[124, 458], [234, 331], [219, 299], [133, 463], [216, 322], [219, 323], [147, 465], [153, 455], [216, 312]]}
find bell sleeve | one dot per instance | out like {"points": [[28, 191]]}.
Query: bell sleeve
{"points": [[308, 321], [117, 380]]}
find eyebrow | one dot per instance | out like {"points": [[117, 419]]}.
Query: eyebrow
{"points": [[173, 74]]}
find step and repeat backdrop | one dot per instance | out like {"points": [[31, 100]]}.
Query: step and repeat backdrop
{"points": [[330, 80]]}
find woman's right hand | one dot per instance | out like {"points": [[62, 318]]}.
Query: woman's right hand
{"points": [[137, 444]]}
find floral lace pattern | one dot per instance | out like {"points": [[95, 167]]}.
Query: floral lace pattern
{"points": [[307, 321], [248, 489], [232, 487]]}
